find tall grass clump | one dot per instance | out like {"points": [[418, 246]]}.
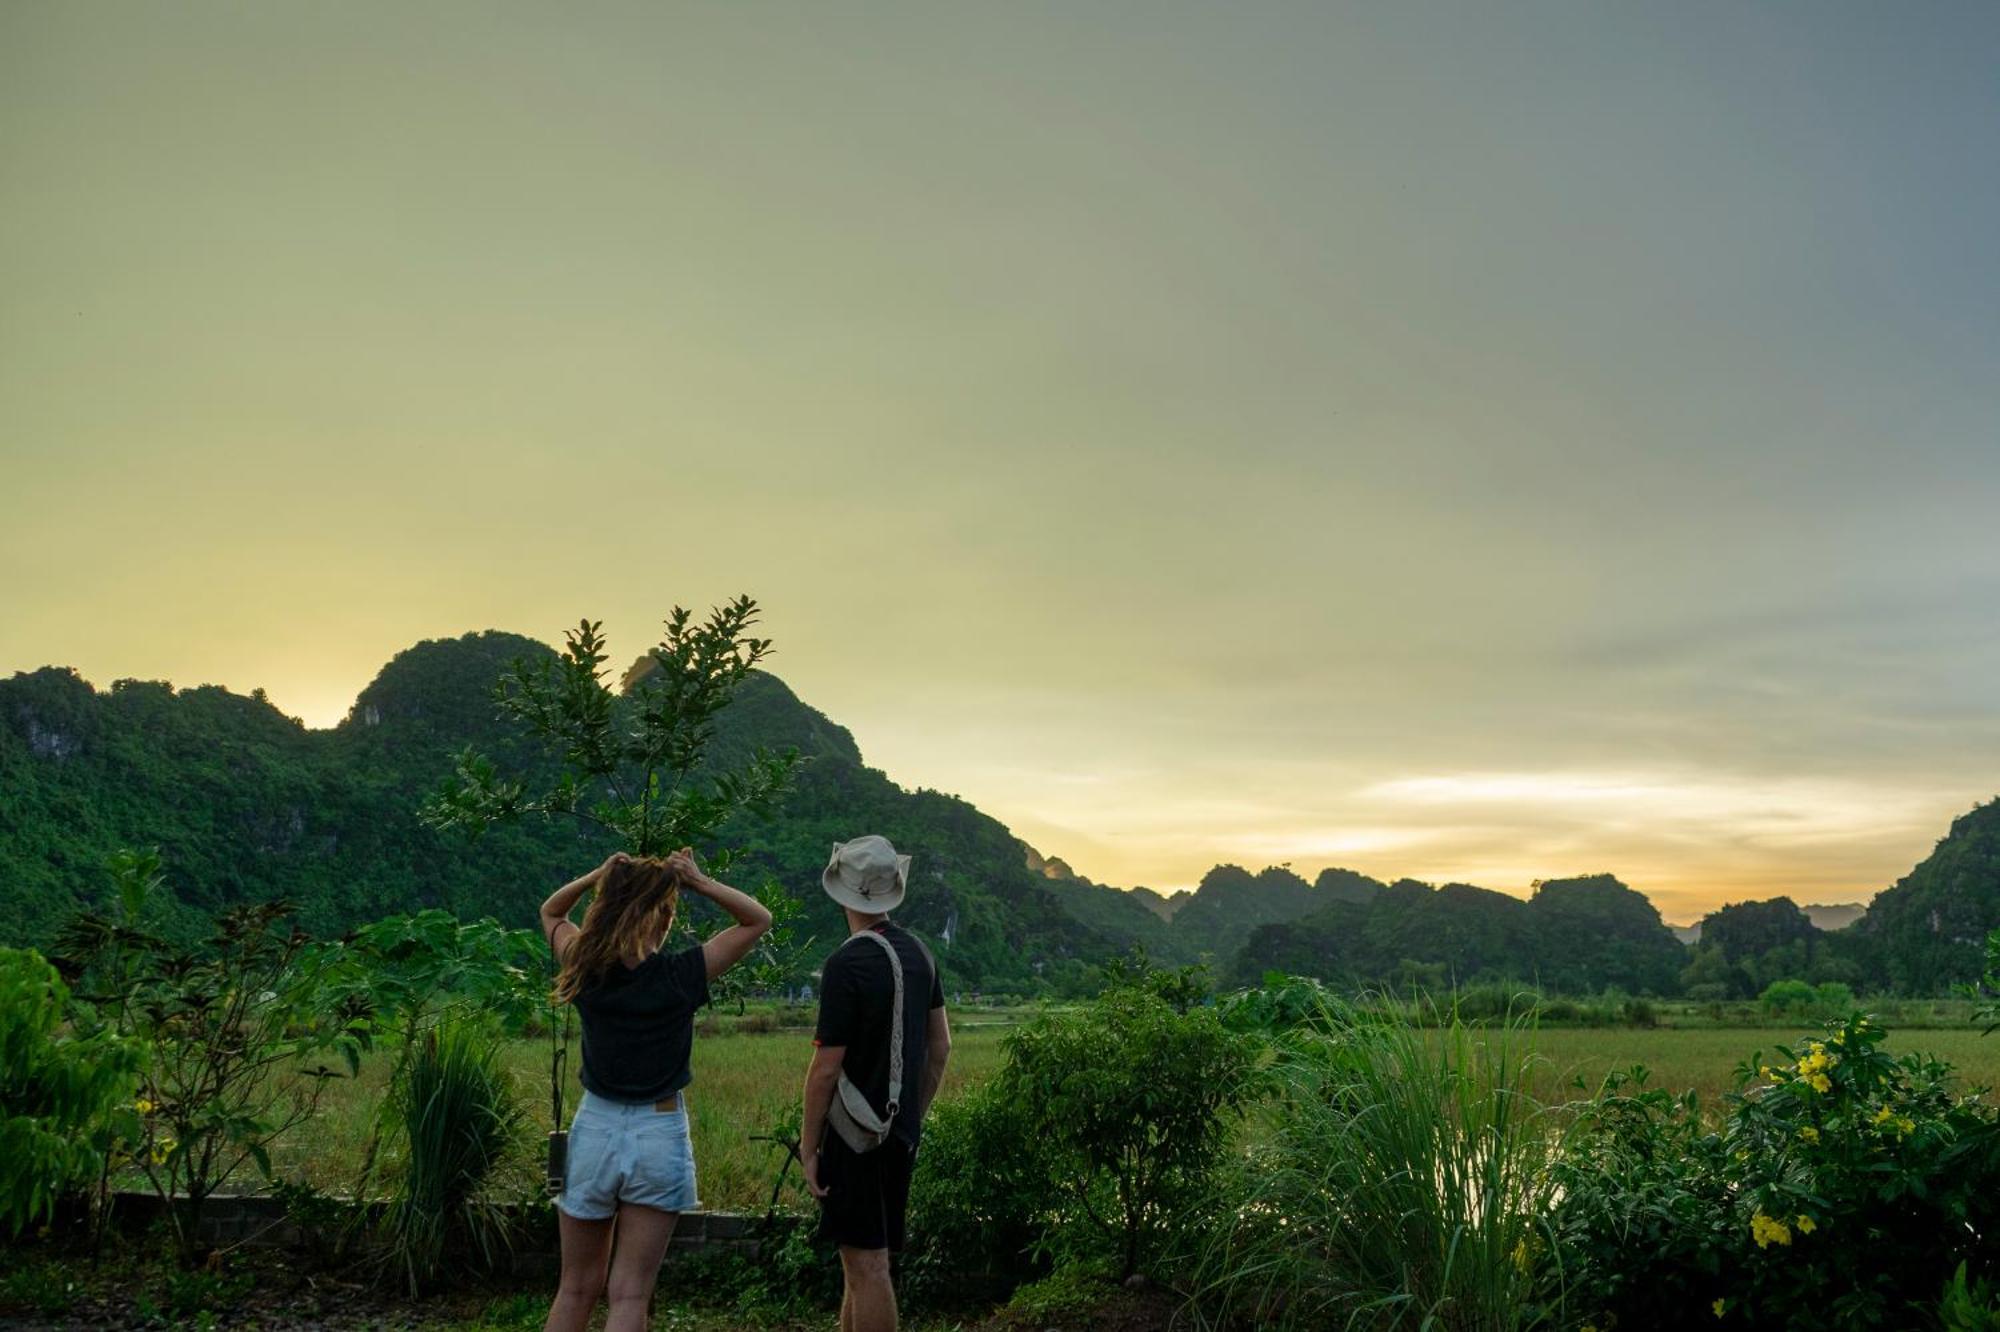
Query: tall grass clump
{"points": [[457, 1114], [1399, 1182]]}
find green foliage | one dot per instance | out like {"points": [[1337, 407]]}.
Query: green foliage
{"points": [[632, 762], [227, 1027], [635, 762], [1072, 1292], [1787, 997], [1990, 1014], [1747, 947], [409, 966], [1281, 1003], [1926, 933], [1129, 1103], [1577, 936], [1968, 1306], [1840, 1190], [1398, 1182], [982, 1198], [65, 1090], [1182, 988], [456, 1116]]}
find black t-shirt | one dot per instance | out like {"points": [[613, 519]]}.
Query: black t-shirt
{"points": [[856, 991], [638, 1026]]}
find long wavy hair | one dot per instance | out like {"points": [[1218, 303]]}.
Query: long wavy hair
{"points": [[632, 908]]}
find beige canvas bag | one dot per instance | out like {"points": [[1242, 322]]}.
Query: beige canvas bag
{"points": [[849, 1113]]}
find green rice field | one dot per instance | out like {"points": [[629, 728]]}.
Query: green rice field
{"points": [[747, 1083]]}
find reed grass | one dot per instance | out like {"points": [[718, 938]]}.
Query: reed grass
{"points": [[458, 1118], [1395, 1182]]}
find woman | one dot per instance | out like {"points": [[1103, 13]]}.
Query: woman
{"points": [[630, 1167]]}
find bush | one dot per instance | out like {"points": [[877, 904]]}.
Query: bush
{"points": [[1397, 1183], [981, 1199], [457, 1115], [64, 1097], [1788, 996], [1842, 1189], [1126, 1102], [226, 1026]]}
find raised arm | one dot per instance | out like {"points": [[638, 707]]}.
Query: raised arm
{"points": [[555, 911], [752, 918]]}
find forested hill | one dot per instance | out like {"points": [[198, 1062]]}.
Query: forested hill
{"points": [[248, 804]]}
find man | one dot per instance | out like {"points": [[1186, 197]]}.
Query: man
{"points": [[864, 1193]]}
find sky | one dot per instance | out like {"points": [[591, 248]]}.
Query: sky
{"points": [[1470, 442]]}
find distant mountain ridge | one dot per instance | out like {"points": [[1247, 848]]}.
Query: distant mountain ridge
{"points": [[248, 804]]}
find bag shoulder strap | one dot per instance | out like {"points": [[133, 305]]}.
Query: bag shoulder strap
{"points": [[895, 1019]]}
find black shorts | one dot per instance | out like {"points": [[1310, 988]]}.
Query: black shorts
{"points": [[867, 1193]]}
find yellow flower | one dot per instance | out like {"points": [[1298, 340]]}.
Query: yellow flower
{"points": [[1719, 1306], [143, 1106], [1805, 1224], [1764, 1071], [1883, 1115], [1768, 1230], [1810, 1135], [162, 1149], [1906, 1126], [1819, 1082]]}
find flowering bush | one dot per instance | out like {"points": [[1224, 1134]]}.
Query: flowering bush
{"points": [[1842, 1188]]}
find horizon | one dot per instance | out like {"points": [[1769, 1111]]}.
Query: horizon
{"points": [[1493, 443], [1863, 897]]}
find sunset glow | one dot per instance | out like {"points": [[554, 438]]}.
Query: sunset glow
{"points": [[1337, 440]]}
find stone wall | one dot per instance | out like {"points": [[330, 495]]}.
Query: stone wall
{"points": [[257, 1221]]}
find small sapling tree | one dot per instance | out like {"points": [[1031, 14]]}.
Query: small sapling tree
{"points": [[635, 760]]}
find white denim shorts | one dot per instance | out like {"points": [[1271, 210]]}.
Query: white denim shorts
{"points": [[620, 1153]]}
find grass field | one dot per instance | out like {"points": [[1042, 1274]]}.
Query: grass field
{"points": [[747, 1082], [1706, 1060]]}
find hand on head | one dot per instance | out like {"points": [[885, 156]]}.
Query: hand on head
{"points": [[682, 863]]}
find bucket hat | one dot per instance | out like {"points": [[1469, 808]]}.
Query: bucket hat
{"points": [[866, 875]]}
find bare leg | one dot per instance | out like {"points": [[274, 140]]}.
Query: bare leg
{"points": [[643, 1233], [870, 1304], [586, 1248], [846, 1306]]}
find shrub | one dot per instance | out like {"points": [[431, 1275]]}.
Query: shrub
{"points": [[1787, 996], [1841, 1189], [457, 1115], [1640, 1013], [1127, 1100], [1397, 1183], [225, 1025], [981, 1198], [63, 1097]]}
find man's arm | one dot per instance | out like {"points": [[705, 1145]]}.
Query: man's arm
{"points": [[555, 911], [937, 1050], [822, 1076]]}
